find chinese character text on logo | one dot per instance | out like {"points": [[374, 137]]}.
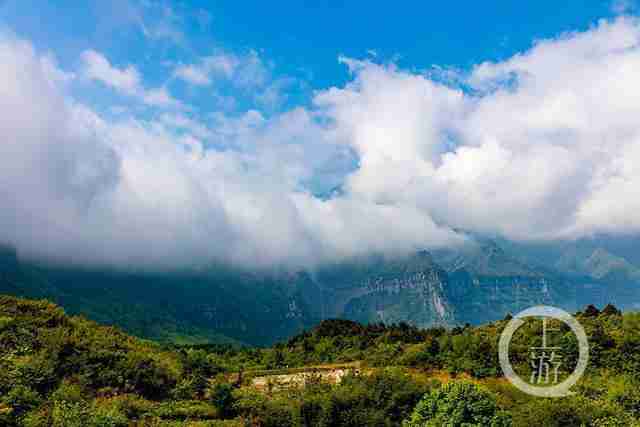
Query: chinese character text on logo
{"points": [[545, 360]]}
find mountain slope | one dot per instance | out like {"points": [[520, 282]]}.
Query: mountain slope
{"points": [[411, 289], [486, 283], [188, 308], [600, 264], [474, 284]]}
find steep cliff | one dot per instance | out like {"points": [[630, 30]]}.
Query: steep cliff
{"points": [[412, 289]]}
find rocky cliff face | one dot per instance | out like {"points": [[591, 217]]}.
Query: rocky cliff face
{"points": [[486, 283], [474, 285], [412, 290], [481, 299]]}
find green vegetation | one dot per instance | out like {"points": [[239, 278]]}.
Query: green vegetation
{"points": [[219, 306], [460, 404], [57, 370]]}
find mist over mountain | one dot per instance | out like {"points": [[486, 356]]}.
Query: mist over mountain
{"points": [[481, 282]]}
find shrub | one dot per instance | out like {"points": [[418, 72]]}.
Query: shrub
{"points": [[572, 411], [68, 392], [21, 398], [69, 414], [107, 416], [221, 395], [458, 404]]}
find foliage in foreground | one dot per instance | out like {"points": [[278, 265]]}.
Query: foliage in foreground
{"points": [[57, 370], [458, 403]]}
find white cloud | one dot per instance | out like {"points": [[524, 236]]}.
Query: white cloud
{"points": [[224, 64], [157, 20], [80, 188], [548, 155], [160, 97], [548, 149], [53, 72], [193, 74], [245, 71], [164, 30], [97, 67], [125, 80], [181, 121], [274, 95], [247, 75]]}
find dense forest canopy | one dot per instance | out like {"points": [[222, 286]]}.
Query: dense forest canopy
{"points": [[57, 370]]}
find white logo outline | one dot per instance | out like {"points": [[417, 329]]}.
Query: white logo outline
{"points": [[558, 390]]}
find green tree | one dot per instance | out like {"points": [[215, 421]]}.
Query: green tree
{"points": [[456, 404], [222, 398]]}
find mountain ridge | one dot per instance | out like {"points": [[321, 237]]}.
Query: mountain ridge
{"points": [[447, 288]]}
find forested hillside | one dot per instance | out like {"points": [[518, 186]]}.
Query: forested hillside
{"points": [[57, 370], [450, 288]]}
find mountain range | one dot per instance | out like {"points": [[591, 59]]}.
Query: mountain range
{"points": [[478, 283]]}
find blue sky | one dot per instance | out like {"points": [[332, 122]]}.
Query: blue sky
{"points": [[299, 40], [175, 134]]}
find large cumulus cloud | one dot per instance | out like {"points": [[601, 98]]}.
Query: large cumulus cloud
{"points": [[541, 146], [544, 145]]}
